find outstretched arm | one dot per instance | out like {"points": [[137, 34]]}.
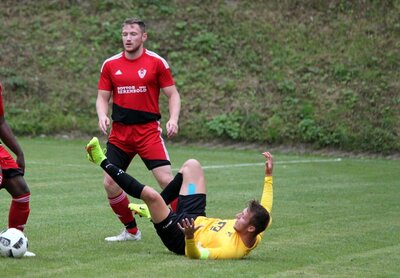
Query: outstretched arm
{"points": [[269, 165], [267, 195]]}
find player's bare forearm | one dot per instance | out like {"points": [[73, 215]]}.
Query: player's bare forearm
{"points": [[174, 107], [268, 164], [174, 111], [267, 195], [103, 98]]}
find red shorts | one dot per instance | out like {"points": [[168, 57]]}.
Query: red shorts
{"points": [[6, 160], [9, 166], [142, 139]]}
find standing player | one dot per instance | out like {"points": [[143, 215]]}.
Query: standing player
{"points": [[133, 79], [11, 176]]}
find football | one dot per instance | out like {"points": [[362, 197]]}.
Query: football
{"points": [[13, 243]]}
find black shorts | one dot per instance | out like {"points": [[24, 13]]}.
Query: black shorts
{"points": [[122, 160], [11, 173], [189, 206]]}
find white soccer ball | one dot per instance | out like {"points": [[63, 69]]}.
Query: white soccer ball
{"points": [[13, 243]]}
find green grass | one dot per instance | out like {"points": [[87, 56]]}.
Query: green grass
{"points": [[331, 218]]}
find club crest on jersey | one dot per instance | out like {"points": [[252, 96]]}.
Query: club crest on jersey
{"points": [[142, 72]]}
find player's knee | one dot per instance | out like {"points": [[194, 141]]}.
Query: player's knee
{"points": [[190, 165], [110, 185], [16, 186], [163, 175], [23, 186], [149, 195], [163, 181]]}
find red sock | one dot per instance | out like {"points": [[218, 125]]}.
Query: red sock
{"points": [[19, 211], [120, 207], [174, 205]]}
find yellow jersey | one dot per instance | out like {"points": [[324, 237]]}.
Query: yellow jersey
{"points": [[217, 239]]}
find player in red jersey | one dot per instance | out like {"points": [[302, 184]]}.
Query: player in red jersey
{"points": [[11, 175], [133, 80]]}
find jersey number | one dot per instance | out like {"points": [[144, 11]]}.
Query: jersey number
{"points": [[217, 227]]}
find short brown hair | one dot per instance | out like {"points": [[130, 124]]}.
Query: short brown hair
{"points": [[260, 216], [134, 20]]}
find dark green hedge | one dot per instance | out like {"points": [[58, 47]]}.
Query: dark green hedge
{"points": [[324, 73]]}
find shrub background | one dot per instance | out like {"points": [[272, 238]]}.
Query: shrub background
{"points": [[322, 73]]}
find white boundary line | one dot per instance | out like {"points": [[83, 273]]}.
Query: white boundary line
{"points": [[222, 166], [275, 163]]}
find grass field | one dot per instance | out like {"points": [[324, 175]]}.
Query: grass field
{"points": [[332, 218]]}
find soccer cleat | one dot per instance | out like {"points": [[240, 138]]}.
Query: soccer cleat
{"points": [[29, 254], [141, 209], [95, 153], [125, 236]]}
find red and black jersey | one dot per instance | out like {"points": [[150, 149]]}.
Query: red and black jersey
{"points": [[135, 85]]}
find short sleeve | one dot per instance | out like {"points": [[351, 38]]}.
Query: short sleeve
{"points": [[105, 82]]}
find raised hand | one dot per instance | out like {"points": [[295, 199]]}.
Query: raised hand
{"points": [[269, 165]]}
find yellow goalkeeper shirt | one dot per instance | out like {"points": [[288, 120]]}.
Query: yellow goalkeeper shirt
{"points": [[217, 239]]}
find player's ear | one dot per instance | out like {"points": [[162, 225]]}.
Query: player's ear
{"points": [[144, 37], [251, 229]]}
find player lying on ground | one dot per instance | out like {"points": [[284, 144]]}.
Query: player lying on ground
{"points": [[188, 231]]}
